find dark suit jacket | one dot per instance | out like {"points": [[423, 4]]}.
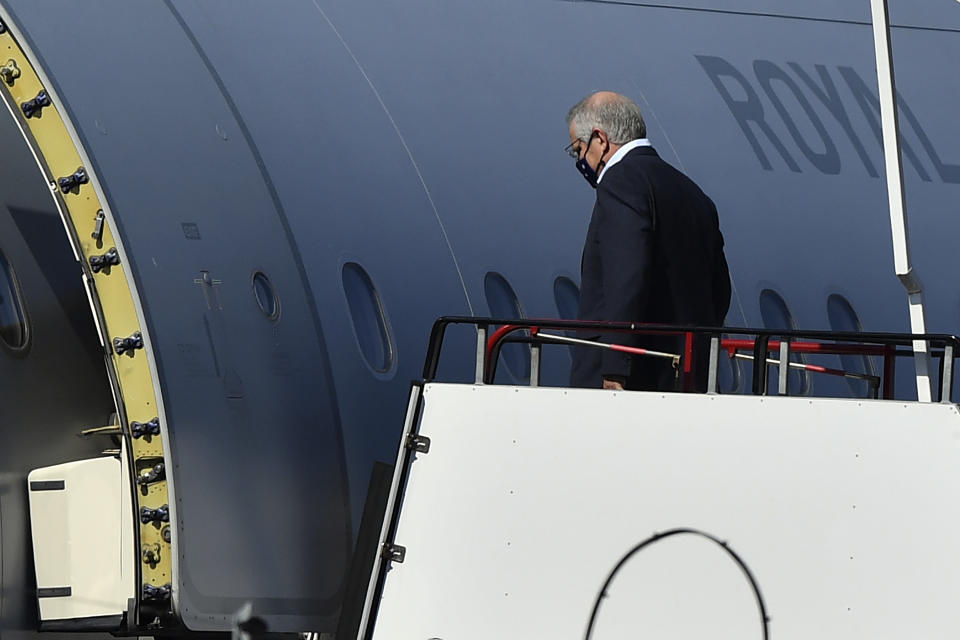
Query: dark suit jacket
{"points": [[654, 254]]}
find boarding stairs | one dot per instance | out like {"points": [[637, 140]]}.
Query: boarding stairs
{"points": [[550, 512]]}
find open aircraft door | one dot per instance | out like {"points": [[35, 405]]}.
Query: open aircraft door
{"points": [[82, 533]]}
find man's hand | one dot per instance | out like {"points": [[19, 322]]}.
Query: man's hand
{"points": [[613, 385]]}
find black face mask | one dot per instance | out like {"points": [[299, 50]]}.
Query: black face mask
{"points": [[589, 174]]}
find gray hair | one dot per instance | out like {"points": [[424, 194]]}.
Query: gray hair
{"points": [[617, 115]]}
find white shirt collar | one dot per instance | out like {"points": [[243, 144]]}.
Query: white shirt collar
{"points": [[621, 152]]}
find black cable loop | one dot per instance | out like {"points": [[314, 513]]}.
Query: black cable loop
{"points": [[765, 621]]}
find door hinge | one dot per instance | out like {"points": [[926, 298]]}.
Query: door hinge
{"points": [[393, 552], [420, 444]]}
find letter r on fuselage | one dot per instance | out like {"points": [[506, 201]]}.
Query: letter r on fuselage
{"points": [[748, 112]]}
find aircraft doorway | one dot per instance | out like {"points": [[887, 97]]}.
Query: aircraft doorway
{"points": [[53, 380]]}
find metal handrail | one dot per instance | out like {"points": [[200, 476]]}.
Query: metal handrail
{"points": [[761, 342], [872, 380]]}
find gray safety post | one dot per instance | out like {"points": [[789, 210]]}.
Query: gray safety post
{"points": [[481, 352], [946, 388], [535, 353], [712, 367], [783, 386]]}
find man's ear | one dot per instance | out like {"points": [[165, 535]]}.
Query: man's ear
{"points": [[603, 138]]}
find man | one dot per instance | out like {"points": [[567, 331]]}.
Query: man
{"points": [[653, 253]]}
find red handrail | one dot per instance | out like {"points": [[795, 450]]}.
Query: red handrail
{"points": [[738, 344], [732, 346]]}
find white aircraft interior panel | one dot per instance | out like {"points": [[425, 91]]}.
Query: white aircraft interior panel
{"points": [[82, 539], [842, 512]]}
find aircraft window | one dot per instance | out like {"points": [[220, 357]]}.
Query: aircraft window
{"points": [[266, 295], [369, 320], [776, 315], [844, 318], [14, 332], [503, 303], [567, 296]]}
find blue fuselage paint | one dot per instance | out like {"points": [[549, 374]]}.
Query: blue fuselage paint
{"points": [[423, 141]]}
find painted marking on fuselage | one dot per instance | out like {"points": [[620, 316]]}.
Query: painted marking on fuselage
{"points": [[817, 93]]}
